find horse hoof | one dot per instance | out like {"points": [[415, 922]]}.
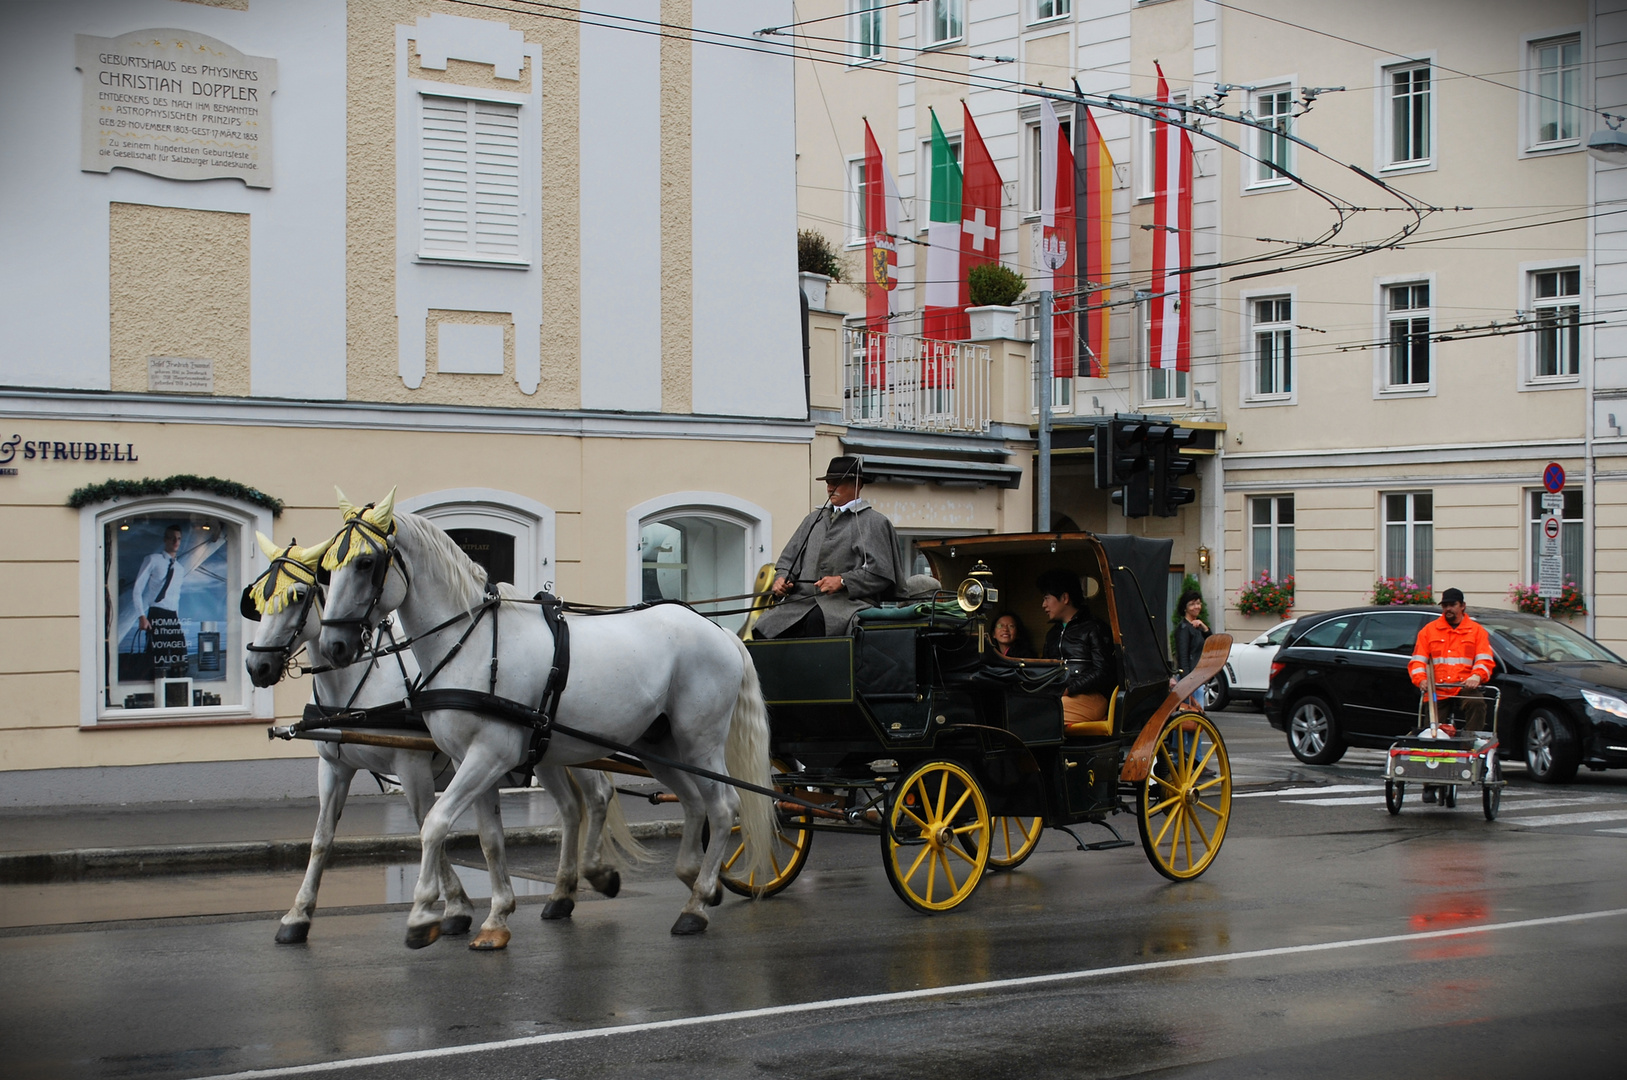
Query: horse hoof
{"points": [[455, 925], [489, 941], [293, 933], [611, 884], [557, 909], [716, 898], [689, 923], [421, 937]]}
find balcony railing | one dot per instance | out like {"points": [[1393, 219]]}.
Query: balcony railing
{"points": [[914, 383]]}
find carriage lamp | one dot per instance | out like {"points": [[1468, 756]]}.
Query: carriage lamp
{"points": [[977, 589], [1203, 558]]}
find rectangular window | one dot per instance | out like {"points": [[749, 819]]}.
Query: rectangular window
{"points": [[1271, 536], [1163, 386], [1409, 536], [470, 197], [943, 21], [171, 635], [867, 28], [1570, 533], [1036, 160], [1557, 102], [1274, 108], [1556, 344], [1051, 9], [1273, 346], [856, 231], [1146, 181], [1410, 116], [1408, 316]]}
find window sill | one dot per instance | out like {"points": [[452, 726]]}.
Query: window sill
{"points": [[1553, 149], [946, 43], [1402, 168], [1418, 390], [1050, 21], [228, 715], [865, 61], [1263, 187], [1262, 400], [1556, 382], [444, 259]]}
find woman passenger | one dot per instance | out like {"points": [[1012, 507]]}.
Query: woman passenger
{"points": [[1010, 640]]}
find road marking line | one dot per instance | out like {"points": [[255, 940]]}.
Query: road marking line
{"points": [[1548, 804], [1359, 800], [1568, 819], [1020, 982], [1330, 790], [1617, 832]]}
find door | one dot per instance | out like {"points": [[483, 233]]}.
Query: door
{"points": [[1383, 701], [492, 550]]}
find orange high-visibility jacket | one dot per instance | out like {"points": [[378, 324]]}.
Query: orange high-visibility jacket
{"points": [[1457, 652]]}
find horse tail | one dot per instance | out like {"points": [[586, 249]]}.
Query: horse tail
{"points": [[620, 846], [746, 755]]}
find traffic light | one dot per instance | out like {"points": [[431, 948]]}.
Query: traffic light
{"points": [[1169, 465], [1123, 461]]}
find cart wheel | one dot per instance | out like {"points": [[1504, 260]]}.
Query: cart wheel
{"points": [[1394, 792], [1491, 797], [1014, 840], [1186, 801], [1449, 796], [789, 851], [935, 842]]}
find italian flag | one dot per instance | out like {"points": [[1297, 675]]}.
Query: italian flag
{"points": [[945, 316]]}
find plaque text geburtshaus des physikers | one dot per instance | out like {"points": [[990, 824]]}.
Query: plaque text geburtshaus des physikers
{"points": [[177, 104]]}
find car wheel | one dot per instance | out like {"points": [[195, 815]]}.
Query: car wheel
{"points": [[1551, 752], [1313, 735], [1220, 694]]}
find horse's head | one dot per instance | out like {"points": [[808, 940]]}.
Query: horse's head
{"points": [[362, 589], [281, 600]]}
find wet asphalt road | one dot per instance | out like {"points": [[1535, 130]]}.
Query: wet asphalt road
{"points": [[1476, 977]]}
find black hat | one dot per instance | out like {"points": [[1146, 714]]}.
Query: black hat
{"points": [[845, 467], [1452, 596]]}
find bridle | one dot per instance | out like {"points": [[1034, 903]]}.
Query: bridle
{"points": [[313, 580], [378, 541]]}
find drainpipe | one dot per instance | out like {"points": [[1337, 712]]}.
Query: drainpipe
{"points": [[807, 372]]}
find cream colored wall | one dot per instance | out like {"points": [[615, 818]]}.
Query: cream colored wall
{"points": [[677, 213], [178, 286], [1610, 577], [373, 367]]}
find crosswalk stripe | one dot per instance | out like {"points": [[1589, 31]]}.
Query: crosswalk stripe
{"points": [[1617, 832], [1569, 819], [1330, 790], [1359, 800]]}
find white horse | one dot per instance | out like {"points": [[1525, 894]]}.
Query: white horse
{"points": [[288, 604], [661, 680]]}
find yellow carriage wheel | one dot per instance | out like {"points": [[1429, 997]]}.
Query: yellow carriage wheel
{"points": [[1014, 840], [788, 852], [1186, 801], [936, 838]]}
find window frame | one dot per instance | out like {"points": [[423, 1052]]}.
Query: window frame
{"points": [[854, 185], [1144, 349], [1382, 387], [257, 703], [1253, 184], [1569, 527], [1248, 346], [923, 194], [1530, 117], [1383, 127], [526, 182], [1410, 523], [1060, 9], [1530, 379], [1032, 159], [927, 17], [1142, 164], [758, 523], [857, 11], [1275, 529]]}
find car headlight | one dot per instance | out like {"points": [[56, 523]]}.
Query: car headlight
{"points": [[1605, 703]]}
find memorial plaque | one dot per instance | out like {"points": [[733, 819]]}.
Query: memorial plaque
{"points": [[175, 103], [180, 375]]}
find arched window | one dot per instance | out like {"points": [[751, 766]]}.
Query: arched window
{"points": [[697, 546], [510, 535], [161, 638]]}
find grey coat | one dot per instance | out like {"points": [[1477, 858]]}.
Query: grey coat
{"points": [[860, 547]]}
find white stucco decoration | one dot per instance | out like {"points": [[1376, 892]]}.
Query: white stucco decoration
{"points": [[453, 37]]}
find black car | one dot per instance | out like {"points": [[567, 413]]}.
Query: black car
{"points": [[1340, 680]]}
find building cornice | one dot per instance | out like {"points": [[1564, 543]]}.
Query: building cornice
{"points": [[65, 405], [1402, 456]]}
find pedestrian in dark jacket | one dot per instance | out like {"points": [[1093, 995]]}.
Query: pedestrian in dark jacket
{"points": [[1190, 632], [1086, 642]]}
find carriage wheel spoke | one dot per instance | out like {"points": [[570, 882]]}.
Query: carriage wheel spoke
{"points": [[960, 802], [728, 864], [916, 865], [1206, 759], [1174, 816], [1198, 825], [943, 795], [925, 828], [948, 874], [932, 873], [956, 848], [1165, 805], [1212, 809]]}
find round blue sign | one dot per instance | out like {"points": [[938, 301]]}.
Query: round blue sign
{"points": [[1553, 477]]}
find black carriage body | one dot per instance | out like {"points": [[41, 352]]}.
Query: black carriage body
{"points": [[849, 712]]}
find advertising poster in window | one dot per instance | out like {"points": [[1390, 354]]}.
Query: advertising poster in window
{"points": [[169, 580]]}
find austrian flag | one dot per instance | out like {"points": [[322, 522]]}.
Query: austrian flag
{"points": [[1170, 332]]}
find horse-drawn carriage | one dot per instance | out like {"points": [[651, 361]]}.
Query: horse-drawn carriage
{"points": [[914, 729]]}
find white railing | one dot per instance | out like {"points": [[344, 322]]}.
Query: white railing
{"points": [[915, 384]]}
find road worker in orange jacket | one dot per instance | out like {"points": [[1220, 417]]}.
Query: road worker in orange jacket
{"points": [[1460, 650]]}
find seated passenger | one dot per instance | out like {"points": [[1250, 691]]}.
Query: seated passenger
{"points": [[842, 559], [1076, 635], [1010, 639]]}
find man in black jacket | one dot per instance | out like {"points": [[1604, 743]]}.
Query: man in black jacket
{"points": [[1086, 642]]}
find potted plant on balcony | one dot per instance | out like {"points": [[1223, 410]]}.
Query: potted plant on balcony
{"points": [[818, 265], [993, 288]]}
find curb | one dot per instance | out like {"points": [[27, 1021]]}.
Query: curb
{"points": [[80, 863]]}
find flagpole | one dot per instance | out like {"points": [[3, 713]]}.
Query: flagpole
{"points": [[1043, 481]]}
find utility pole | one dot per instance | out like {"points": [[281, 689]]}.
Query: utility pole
{"points": [[1043, 467]]}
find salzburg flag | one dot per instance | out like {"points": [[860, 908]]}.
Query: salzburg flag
{"points": [[1170, 333], [980, 200], [881, 237], [1058, 262], [1094, 188]]}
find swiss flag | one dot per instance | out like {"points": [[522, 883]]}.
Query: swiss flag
{"points": [[980, 200]]}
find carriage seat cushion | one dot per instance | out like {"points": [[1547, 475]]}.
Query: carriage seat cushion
{"points": [[1086, 714]]}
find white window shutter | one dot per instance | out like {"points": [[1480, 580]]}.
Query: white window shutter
{"points": [[497, 180], [470, 179]]}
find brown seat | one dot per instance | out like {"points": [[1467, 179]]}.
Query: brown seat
{"points": [[1088, 714]]}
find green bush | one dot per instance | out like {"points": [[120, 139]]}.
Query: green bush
{"points": [[993, 283], [815, 255]]}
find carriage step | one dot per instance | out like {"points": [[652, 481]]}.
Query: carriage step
{"points": [[1100, 845]]}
